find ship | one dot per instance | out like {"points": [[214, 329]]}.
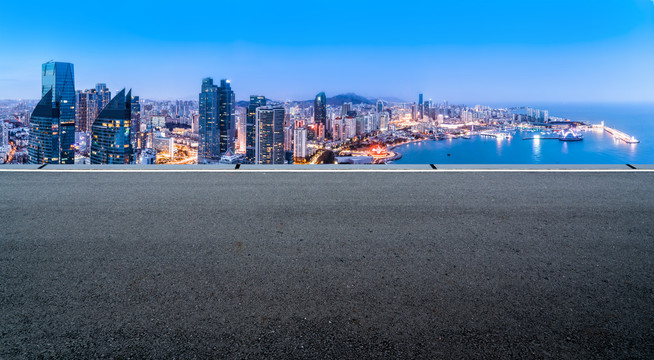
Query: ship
{"points": [[570, 135]]}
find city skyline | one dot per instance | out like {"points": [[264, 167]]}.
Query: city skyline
{"points": [[470, 51]]}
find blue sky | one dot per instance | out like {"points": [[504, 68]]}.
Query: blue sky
{"points": [[459, 50]]}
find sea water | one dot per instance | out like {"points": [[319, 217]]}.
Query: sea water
{"points": [[598, 147]]}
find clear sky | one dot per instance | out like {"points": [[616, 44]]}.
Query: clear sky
{"points": [[459, 50]]}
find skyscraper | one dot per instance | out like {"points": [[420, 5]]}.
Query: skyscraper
{"points": [[227, 116], [320, 111], [44, 141], [251, 132], [269, 147], [86, 109], [136, 122], [420, 107], [345, 109], [59, 77], [111, 132], [104, 95], [208, 127], [300, 143]]}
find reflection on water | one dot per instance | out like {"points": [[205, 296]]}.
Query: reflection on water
{"points": [[536, 148], [596, 148]]}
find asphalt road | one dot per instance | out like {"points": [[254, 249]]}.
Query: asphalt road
{"points": [[327, 265]]}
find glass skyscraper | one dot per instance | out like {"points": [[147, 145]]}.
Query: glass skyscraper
{"points": [[208, 127], [227, 116], [270, 135], [44, 143], [111, 132], [251, 120], [59, 77], [320, 111]]}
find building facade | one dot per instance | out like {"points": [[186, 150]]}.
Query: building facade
{"points": [[320, 111], [256, 101], [208, 127], [111, 132], [269, 135], [227, 116], [59, 77], [44, 146]]}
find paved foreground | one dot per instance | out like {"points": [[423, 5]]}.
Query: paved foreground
{"points": [[327, 265]]}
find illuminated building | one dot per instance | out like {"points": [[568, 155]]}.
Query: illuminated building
{"points": [[208, 127], [44, 132], [111, 132], [269, 146], [420, 107], [226, 116], [59, 77], [250, 124], [86, 109], [300, 143], [320, 110]]}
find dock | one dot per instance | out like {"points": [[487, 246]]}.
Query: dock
{"points": [[621, 136]]}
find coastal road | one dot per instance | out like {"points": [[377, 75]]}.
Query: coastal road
{"points": [[326, 265]]}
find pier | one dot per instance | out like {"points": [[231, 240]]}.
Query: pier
{"points": [[498, 135], [621, 136]]}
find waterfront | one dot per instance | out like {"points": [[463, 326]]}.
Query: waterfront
{"points": [[598, 147]]}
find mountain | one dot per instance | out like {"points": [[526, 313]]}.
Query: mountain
{"points": [[339, 100]]}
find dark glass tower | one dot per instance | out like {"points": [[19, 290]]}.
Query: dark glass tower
{"points": [[320, 110], [227, 116], [111, 132], [44, 132], [420, 106], [270, 135], [59, 77], [251, 120], [208, 127]]}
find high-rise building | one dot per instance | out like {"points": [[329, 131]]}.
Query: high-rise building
{"points": [[227, 116], [269, 147], [86, 109], [300, 143], [104, 95], [420, 107], [59, 77], [345, 109], [320, 111], [251, 132], [136, 122], [44, 141], [208, 126], [111, 132]]}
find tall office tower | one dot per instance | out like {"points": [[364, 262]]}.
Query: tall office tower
{"points": [[58, 77], [250, 124], [110, 133], [288, 138], [380, 106], [269, 148], [345, 109], [420, 107], [300, 143], [413, 111], [320, 110], [104, 95], [136, 122], [44, 147], [227, 116], [208, 127], [86, 109]]}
